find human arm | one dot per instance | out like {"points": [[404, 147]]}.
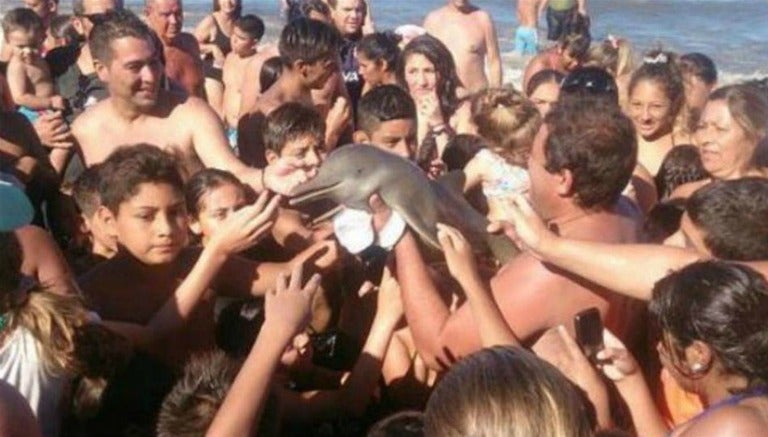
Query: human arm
{"points": [[491, 325], [613, 266], [204, 35], [53, 131], [287, 311], [533, 67], [495, 78], [369, 26], [542, 7], [22, 90], [43, 260], [355, 392]]}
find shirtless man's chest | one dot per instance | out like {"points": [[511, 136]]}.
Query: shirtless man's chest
{"points": [[462, 34]]}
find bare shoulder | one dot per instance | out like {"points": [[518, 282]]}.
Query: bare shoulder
{"points": [[729, 421], [90, 117], [188, 43], [205, 25], [432, 18]]}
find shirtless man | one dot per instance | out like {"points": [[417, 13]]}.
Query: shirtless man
{"points": [[526, 36], [138, 110], [569, 53], [469, 34], [559, 12], [309, 51], [567, 191], [245, 37], [180, 49]]}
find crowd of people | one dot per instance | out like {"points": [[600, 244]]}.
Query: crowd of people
{"points": [[163, 273]]}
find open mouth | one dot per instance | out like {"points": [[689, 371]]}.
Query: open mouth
{"points": [[313, 194]]}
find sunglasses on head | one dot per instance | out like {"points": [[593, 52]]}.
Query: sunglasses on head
{"points": [[588, 80]]}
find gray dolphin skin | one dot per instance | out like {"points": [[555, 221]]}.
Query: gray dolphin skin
{"points": [[352, 173]]}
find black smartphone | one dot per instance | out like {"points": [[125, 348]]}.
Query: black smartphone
{"points": [[589, 332]]}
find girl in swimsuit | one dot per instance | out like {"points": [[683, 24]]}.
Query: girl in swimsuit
{"points": [[714, 344], [656, 100]]}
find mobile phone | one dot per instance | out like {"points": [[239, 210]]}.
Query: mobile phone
{"points": [[589, 332]]}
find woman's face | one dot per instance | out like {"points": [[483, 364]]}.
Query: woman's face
{"points": [[725, 147], [545, 96], [216, 206], [420, 75], [650, 110], [228, 6], [371, 71]]}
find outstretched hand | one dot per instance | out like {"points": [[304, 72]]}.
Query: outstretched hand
{"points": [[616, 361], [289, 306], [247, 225], [525, 227], [458, 253]]}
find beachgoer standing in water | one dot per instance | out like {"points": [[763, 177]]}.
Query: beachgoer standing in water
{"points": [[526, 36], [469, 34], [559, 13]]}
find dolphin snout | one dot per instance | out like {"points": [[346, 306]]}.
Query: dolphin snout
{"points": [[311, 191]]}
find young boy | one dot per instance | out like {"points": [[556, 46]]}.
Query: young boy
{"points": [[143, 207], [244, 40], [29, 77], [386, 118], [309, 51], [101, 246]]}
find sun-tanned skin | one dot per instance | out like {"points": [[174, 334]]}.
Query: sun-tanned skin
{"points": [[523, 287], [181, 50], [469, 34]]}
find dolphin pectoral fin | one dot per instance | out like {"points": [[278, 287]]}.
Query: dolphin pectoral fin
{"points": [[427, 231], [308, 193], [453, 181]]}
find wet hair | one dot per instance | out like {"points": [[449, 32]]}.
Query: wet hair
{"points": [[118, 24], [748, 106], [589, 83], [130, 166], [661, 68], [542, 77], [681, 165], [291, 122], [384, 103], [271, 70], [613, 55], [319, 6], [698, 65], [238, 8], [447, 79], [663, 220], [505, 391], [308, 40], [202, 183], [732, 216], [402, 424], [597, 143], [190, 407], [85, 191], [380, 47], [23, 19], [460, 149], [723, 305], [252, 25], [507, 121]]}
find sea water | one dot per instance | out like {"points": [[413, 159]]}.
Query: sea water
{"points": [[732, 32]]}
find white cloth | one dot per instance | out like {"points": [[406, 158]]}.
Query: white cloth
{"points": [[354, 230], [21, 366]]}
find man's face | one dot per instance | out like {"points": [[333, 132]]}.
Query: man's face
{"points": [[316, 74], [242, 43], [25, 44], [152, 225], [166, 18], [348, 16], [134, 73], [543, 183], [396, 136], [93, 10], [45, 9]]}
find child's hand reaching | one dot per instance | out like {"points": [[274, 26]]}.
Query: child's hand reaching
{"points": [[289, 306], [247, 225]]}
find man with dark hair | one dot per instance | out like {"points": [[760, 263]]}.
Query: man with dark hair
{"points": [[181, 51], [581, 160], [309, 53], [386, 118], [348, 17], [568, 54], [127, 59]]}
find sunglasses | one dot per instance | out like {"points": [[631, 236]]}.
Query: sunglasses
{"points": [[96, 18], [592, 82]]}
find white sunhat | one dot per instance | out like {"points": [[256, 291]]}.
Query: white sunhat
{"points": [[15, 208]]}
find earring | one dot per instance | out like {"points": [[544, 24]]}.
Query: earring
{"points": [[697, 367]]}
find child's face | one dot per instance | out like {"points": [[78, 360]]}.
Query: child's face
{"points": [[25, 44], [215, 206], [396, 136], [242, 44], [303, 154], [101, 238], [152, 225]]}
